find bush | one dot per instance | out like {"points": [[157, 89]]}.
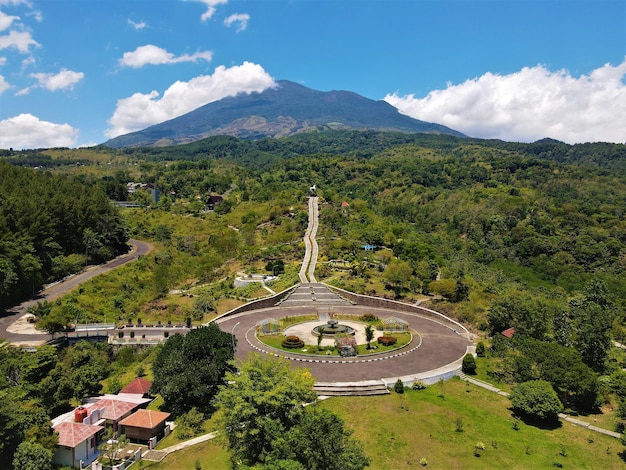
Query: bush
{"points": [[387, 340], [292, 342], [469, 364], [418, 385], [398, 386], [368, 318], [480, 349], [536, 399]]}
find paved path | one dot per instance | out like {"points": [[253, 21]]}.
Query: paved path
{"points": [[310, 244], [58, 289]]}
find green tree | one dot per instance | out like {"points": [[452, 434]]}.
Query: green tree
{"points": [[321, 442], [260, 405], [536, 399], [189, 370], [469, 364], [32, 456], [397, 273], [369, 335]]}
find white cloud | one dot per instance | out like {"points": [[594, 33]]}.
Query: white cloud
{"points": [[137, 26], [142, 110], [4, 85], [16, 2], [529, 105], [154, 55], [240, 18], [211, 4], [3, 60], [65, 79], [18, 40], [28, 131], [6, 20]]}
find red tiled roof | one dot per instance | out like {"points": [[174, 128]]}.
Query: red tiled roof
{"points": [[72, 434], [139, 386], [146, 419], [113, 409], [509, 332], [345, 204]]}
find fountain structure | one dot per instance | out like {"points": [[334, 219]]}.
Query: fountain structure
{"points": [[331, 329]]}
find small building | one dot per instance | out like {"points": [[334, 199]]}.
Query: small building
{"points": [[77, 445], [145, 426], [509, 332], [212, 201], [139, 386]]}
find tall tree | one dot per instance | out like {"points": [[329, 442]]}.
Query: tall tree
{"points": [[260, 404], [189, 370]]}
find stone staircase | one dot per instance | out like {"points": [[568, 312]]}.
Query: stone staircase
{"points": [[369, 387], [313, 295]]}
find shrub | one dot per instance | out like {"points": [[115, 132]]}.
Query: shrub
{"points": [[480, 349], [368, 318], [418, 385], [536, 399], [387, 340], [398, 386], [469, 364], [292, 342]]}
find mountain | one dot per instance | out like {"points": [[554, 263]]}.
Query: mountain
{"points": [[286, 109]]}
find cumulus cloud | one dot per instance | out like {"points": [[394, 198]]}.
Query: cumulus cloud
{"points": [[64, 80], [137, 26], [142, 110], [6, 20], [18, 40], [210, 5], [154, 55], [28, 131], [529, 105], [3, 84], [241, 19]]}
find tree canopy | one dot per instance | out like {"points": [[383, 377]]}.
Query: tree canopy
{"points": [[188, 370]]}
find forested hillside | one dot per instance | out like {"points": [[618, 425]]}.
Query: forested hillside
{"points": [[51, 226]]}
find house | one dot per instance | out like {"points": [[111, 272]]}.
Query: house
{"points": [[509, 332], [139, 386], [145, 426], [78, 443], [212, 201], [111, 412]]}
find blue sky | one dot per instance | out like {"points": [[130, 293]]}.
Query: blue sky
{"points": [[77, 72]]}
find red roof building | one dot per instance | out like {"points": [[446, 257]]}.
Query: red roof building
{"points": [[139, 386], [143, 425], [509, 332], [77, 443]]}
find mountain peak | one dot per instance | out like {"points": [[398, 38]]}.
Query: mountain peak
{"points": [[286, 108]]}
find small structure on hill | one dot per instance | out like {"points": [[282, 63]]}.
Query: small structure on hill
{"points": [[269, 326], [146, 426]]}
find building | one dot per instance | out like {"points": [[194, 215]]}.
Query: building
{"points": [[78, 443], [139, 386], [145, 426]]}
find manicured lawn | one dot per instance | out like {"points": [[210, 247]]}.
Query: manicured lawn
{"points": [[210, 454], [275, 341], [397, 431]]}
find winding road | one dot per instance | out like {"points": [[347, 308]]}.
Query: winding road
{"points": [[58, 289]]}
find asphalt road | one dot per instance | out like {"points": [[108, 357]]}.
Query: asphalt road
{"points": [[440, 346], [61, 288]]}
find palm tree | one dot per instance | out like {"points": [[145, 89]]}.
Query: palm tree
{"points": [[320, 336], [369, 335]]}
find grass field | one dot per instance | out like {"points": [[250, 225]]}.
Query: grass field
{"points": [[399, 430]]}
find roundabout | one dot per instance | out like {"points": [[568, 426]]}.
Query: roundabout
{"points": [[435, 352]]}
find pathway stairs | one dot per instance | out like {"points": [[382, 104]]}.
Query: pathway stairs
{"points": [[313, 295], [366, 387]]}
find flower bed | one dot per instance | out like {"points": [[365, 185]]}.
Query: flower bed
{"points": [[292, 342], [387, 340]]}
